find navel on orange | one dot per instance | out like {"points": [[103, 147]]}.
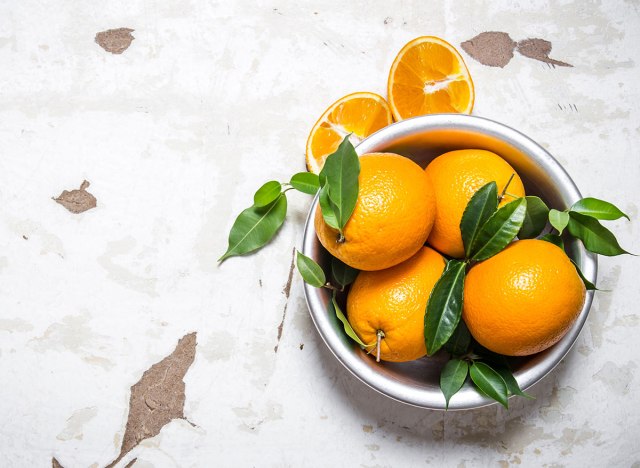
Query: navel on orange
{"points": [[524, 299], [392, 302], [429, 76], [360, 114], [392, 217], [456, 176]]}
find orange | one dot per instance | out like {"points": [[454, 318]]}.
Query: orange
{"points": [[523, 299], [456, 176], [429, 76], [360, 114], [392, 218], [393, 301]]}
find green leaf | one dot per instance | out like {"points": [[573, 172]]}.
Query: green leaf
{"points": [[512, 384], [254, 227], [554, 239], [599, 209], [335, 308], [267, 193], [587, 284], [342, 273], [535, 218], [326, 206], [500, 229], [595, 237], [489, 382], [305, 182], [340, 173], [459, 342], [444, 307], [310, 271], [482, 205], [558, 219], [452, 377]]}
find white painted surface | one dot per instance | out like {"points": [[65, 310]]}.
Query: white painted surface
{"points": [[174, 135]]}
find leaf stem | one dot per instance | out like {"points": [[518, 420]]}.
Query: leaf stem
{"points": [[332, 287], [379, 335], [504, 191]]}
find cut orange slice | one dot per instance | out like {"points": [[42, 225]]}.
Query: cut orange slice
{"points": [[429, 76], [360, 114]]}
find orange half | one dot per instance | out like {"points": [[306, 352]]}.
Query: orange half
{"points": [[360, 114], [429, 76]]}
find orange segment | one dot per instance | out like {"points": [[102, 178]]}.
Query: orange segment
{"points": [[360, 114], [429, 76]]}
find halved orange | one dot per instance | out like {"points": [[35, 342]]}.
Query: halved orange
{"points": [[429, 76], [360, 114]]}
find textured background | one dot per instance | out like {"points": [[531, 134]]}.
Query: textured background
{"points": [[174, 135]]}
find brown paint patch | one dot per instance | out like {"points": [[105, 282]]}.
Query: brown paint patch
{"points": [[286, 291], [130, 464], [280, 327], [55, 463], [77, 201], [115, 41], [495, 49], [491, 48], [158, 397], [539, 49], [287, 287]]}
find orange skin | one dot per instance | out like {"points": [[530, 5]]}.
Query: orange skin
{"points": [[394, 301], [524, 299], [456, 176], [392, 218]]}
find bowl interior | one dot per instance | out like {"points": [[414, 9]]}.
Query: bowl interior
{"points": [[422, 139]]}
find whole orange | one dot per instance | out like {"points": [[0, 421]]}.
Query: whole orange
{"points": [[456, 176], [393, 302], [392, 217], [523, 299]]}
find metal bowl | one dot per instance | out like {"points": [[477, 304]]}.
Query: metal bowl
{"points": [[421, 139]]}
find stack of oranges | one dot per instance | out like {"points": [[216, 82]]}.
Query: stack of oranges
{"points": [[406, 224]]}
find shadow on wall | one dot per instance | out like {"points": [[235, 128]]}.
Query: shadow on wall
{"points": [[506, 432]]}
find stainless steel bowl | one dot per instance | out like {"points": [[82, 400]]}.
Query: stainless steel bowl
{"points": [[421, 139]]}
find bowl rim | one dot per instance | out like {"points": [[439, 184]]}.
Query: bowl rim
{"points": [[420, 397]]}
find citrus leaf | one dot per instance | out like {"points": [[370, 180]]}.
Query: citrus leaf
{"points": [[444, 307], [535, 218], [310, 271], [326, 206], [340, 173], [587, 284], [489, 382], [335, 308], [558, 219], [599, 209], [267, 193], [459, 342], [452, 377], [254, 227], [305, 182], [512, 384], [595, 237], [554, 239], [482, 205], [500, 229], [342, 273]]}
